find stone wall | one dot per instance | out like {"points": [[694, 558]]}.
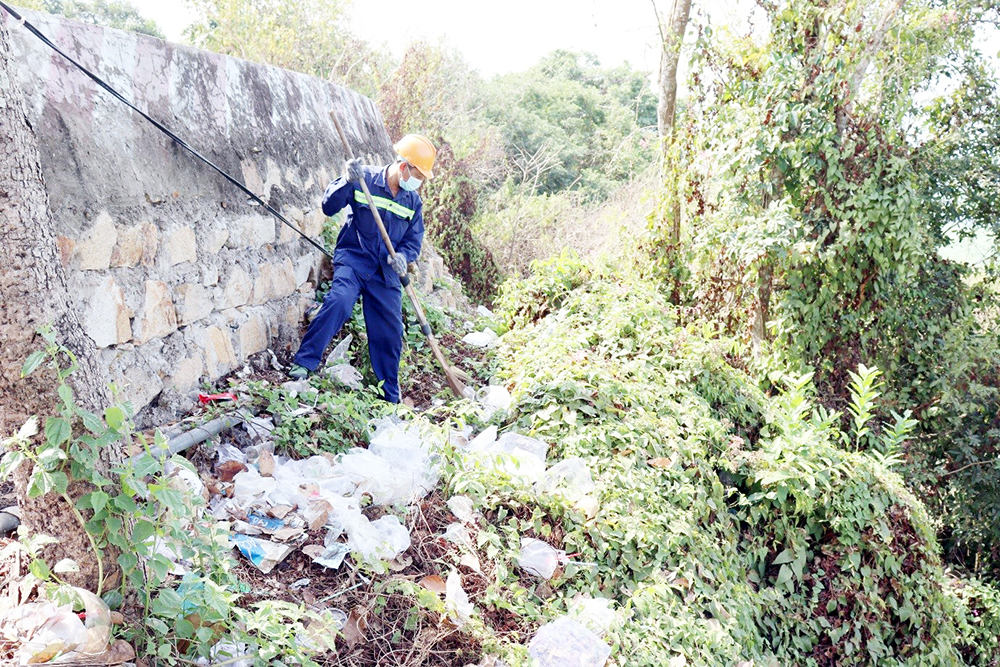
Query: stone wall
{"points": [[178, 277]]}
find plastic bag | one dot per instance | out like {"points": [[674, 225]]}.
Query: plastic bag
{"points": [[456, 600], [494, 398], [377, 541], [262, 553], [345, 374], [480, 338], [539, 558], [564, 642], [594, 613], [571, 477], [462, 508], [249, 485]]}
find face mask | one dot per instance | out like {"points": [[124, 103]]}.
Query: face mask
{"points": [[411, 183]]}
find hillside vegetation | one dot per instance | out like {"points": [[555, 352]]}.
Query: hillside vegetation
{"points": [[769, 409]]}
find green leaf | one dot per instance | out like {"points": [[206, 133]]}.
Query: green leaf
{"points": [[142, 531], [113, 599], [114, 417], [9, 463], [33, 361], [60, 482], [41, 483], [66, 565], [785, 556], [57, 431], [92, 422], [66, 394], [40, 569], [99, 500]]}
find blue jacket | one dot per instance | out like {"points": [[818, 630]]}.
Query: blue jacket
{"points": [[359, 244]]}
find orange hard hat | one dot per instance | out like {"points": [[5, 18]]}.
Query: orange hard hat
{"points": [[418, 151]]}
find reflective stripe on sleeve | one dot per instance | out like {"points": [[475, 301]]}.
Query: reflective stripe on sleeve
{"points": [[385, 204]]}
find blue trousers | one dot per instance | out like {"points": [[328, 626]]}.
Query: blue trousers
{"points": [[383, 309]]}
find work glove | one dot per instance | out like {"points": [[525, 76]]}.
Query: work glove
{"points": [[398, 264], [354, 171]]}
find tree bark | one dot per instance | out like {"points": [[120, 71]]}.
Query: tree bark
{"points": [[34, 293]]}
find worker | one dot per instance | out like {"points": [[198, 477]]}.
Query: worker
{"points": [[362, 265]]}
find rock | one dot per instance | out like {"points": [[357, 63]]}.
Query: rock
{"points": [[182, 246], [238, 290], [219, 355], [66, 248], [187, 374], [94, 254], [295, 216], [250, 231], [253, 336], [274, 281], [136, 245], [106, 319], [193, 303], [159, 317]]}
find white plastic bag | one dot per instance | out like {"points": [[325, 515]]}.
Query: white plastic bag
{"points": [[480, 338], [377, 541], [564, 642], [493, 398], [594, 613], [539, 558], [570, 477]]}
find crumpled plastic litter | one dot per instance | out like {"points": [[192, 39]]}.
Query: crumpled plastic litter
{"points": [[330, 556], [494, 398], [47, 629], [457, 533], [463, 508], [513, 454], [259, 428], [570, 477], [540, 558], [249, 484], [227, 452], [296, 387], [226, 651], [566, 642], [264, 554], [456, 600], [345, 374], [377, 541], [594, 613], [480, 338], [340, 352]]}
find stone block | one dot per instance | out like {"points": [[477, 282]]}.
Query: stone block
{"points": [[219, 355], [94, 253], [106, 319], [274, 281], [187, 373], [138, 382], [238, 290], [66, 248], [313, 223], [253, 335], [159, 317], [217, 240], [136, 245], [287, 234], [193, 303], [303, 269], [182, 246], [250, 231]]}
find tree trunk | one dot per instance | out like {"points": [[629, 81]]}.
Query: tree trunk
{"points": [[33, 293], [672, 36]]}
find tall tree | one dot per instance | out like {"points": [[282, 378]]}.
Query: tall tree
{"points": [[34, 293], [112, 14]]}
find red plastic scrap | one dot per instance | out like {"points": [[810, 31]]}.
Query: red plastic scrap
{"points": [[208, 398]]}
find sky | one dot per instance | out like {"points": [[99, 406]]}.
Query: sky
{"points": [[495, 39]]}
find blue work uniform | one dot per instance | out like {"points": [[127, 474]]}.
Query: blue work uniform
{"points": [[361, 268]]}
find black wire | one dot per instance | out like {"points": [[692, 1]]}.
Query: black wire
{"points": [[180, 142]]}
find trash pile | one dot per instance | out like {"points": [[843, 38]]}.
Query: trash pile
{"points": [[273, 502]]}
